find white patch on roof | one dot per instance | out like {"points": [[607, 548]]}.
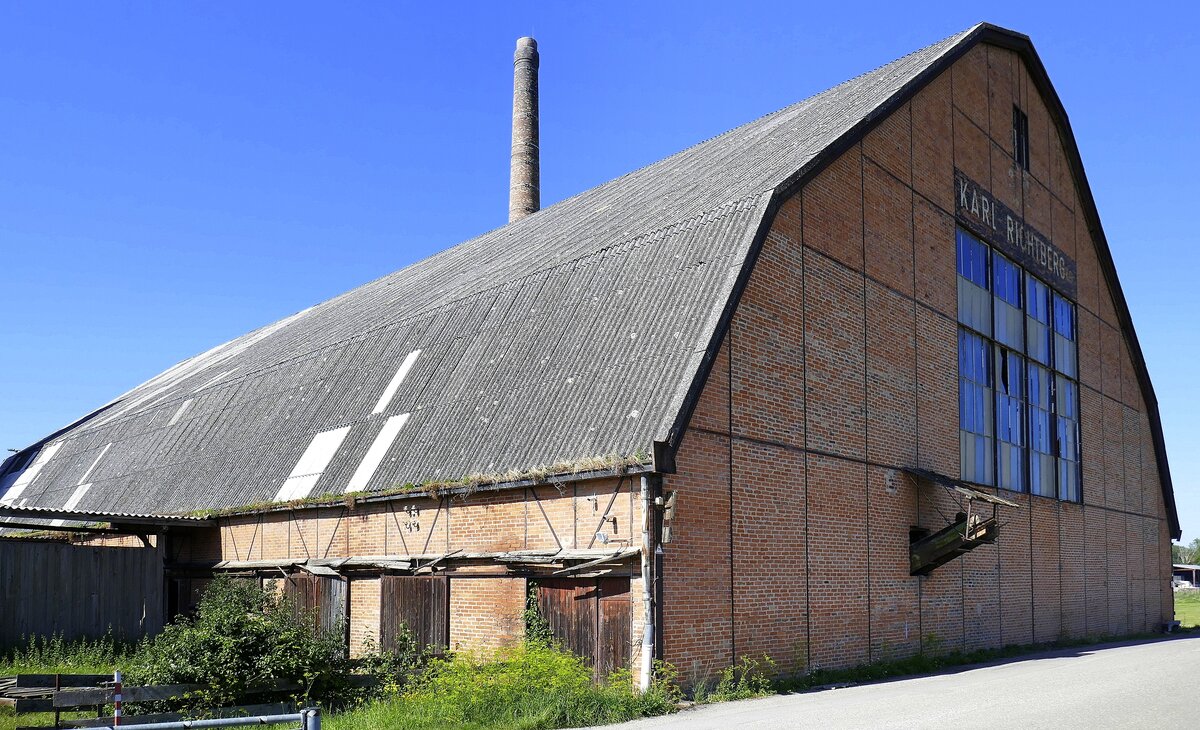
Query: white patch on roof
{"points": [[312, 464], [398, 378], [44, 456], [73, 501], [95, 461], [180, 411], [379, 448]]}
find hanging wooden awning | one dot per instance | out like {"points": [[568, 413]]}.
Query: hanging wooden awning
{"points": [[569, 559], [959, 487], [969, 530]]}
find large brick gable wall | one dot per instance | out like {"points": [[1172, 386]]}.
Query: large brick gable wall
{"points": [[840, 367]]}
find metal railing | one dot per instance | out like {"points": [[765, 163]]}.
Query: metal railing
{"points": [[309, 719]]}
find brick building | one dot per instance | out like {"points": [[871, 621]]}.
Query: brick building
{"points": [[852, 381]]}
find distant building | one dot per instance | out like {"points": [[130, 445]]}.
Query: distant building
{"points": [[1190, 573], [865, 362]]}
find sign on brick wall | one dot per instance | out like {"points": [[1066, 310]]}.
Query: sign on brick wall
{"points": [[1005, 229]]}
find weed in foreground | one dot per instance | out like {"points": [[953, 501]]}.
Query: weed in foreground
{"points": [[527, 687], [749, 678], [56, 655]]}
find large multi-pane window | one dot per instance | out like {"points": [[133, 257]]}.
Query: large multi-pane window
{"points": [[1018, 399]]}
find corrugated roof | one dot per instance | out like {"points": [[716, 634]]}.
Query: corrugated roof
{"points": [[578, 331], [28, 512]]}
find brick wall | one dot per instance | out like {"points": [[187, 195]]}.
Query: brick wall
{"points": [[486, 612], [840, 367], [364, 613], [486, 602]]}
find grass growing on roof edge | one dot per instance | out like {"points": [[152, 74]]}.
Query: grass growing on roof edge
{"points": [[616, 464]]}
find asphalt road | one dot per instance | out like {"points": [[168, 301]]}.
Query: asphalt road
{"points": [[1139, 685]]}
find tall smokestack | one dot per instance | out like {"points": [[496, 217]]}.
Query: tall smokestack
{"points": [[524, 187]]}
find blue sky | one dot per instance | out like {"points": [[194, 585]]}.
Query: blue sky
{"points": [[174, 175]]}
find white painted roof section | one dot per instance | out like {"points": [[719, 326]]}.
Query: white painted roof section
{"points": [[30, 473], [312, 464], [74, 500], [95, 462], [397, 379], [181, 410], [379, 448]]}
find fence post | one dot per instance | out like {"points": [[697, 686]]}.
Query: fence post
{"points": [[312, 718], [116, 698]]}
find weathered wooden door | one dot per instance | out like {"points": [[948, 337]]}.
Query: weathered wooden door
{"points": [[591, 617], [184, 594], [422, 603], [326, 597]]}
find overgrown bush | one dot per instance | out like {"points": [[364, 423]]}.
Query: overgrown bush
{"points": [[241, 638]]}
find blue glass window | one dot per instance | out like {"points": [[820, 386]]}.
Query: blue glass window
{"points": [[1067, 426], [972, 259], [1041, 437], [974, 302], [1064, 336], [1037, 320], [1006, 287], [1017, 361], [1010, 369], [975, 407]]}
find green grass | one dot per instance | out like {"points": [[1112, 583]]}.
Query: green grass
{"points": [[1187, 608], [530, 687], [55, 656]]}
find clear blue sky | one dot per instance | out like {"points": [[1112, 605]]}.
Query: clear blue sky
{"points": [[173, 175]]}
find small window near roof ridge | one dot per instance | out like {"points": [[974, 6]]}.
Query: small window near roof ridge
{"points": [[1020, 138]]}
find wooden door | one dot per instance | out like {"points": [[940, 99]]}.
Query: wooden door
{"points": [[326, 598], [613, 639], [422, 603], [590, 617]]}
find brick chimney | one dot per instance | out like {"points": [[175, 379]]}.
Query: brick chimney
{"points": [[524, 187]]}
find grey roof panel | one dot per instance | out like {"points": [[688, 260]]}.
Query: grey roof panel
{"points": [[572, 333]]}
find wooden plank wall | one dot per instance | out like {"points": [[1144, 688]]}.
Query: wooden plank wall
{"points": [[326, 597], [78, 591], [422, 603]]}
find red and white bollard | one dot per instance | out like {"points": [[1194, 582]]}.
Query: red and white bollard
{"points": [[116, 698]]}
